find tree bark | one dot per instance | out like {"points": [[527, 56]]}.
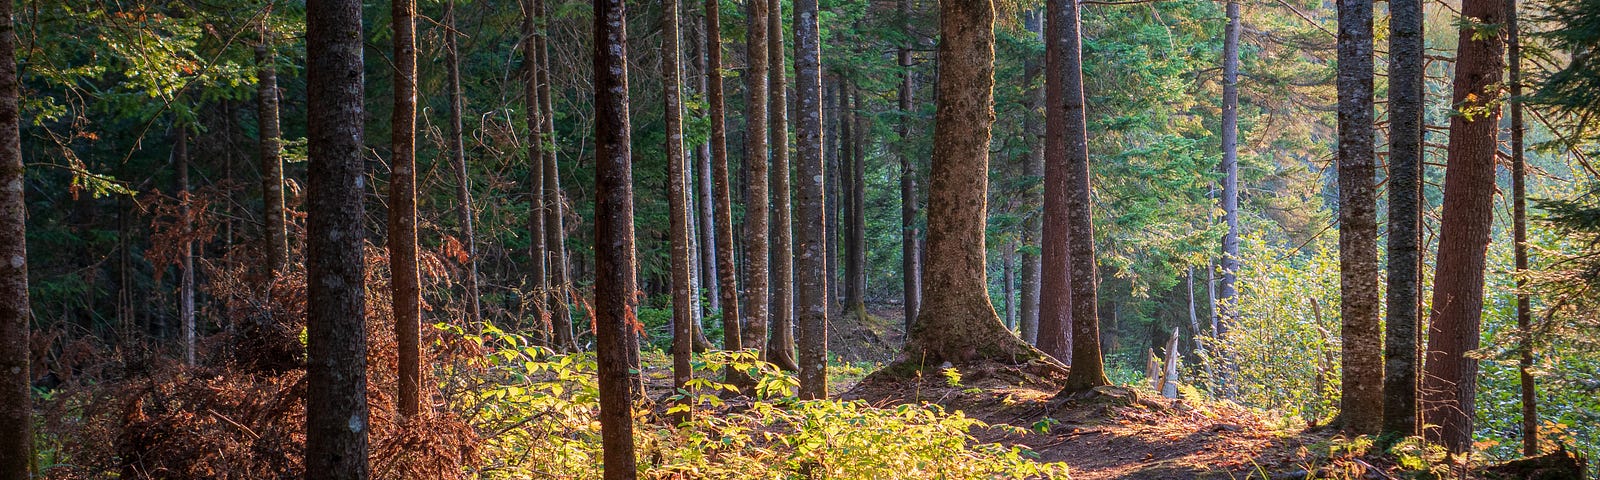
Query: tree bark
{"points": [[405, 297], [16, 396], [756, 292], [336, 341], [1034, 168], [856, 244], [1450, 375], [1008, 281], [1361, 386], [1228, 294], [708, 228], [180, 156], [958, 323], [1519, 222], [1088, 368], [780, 350], [1055, 279], [910, 262], [677, 200], [727, 275], [555, 230], [276, 235], [538, 244], [458, 158], [833, 184], [615, 291], [1406, 100], [811, 265]]}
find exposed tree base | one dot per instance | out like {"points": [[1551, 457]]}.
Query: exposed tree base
{"points": [[1557, 465]]}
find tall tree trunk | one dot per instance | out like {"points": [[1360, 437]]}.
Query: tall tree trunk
{"points": [[727, 277], [538, 247], [780, 350], [458, 158], [856, 265], [811, 265], [756, 292], [1406, 101], [910, 262], [180, 156], [677, 200], [846, 194], [1519, 221], [1055, 279], [1228, 295], [405, 296], [16, 396], [833, 184], [708, 228], [1361, 396], [958, 323], [276, 235], [1450, 375], [555, 231], [614, 289], [1034, 168], [1088, 367], [336, 340]]}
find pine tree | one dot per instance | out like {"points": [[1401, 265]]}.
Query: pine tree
{"points": [[16, 393], [811, 265], [677, 199], [614, 287], [1361, 388], [405, 296], [1406, 99]]}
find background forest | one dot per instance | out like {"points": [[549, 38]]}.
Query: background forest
{"points": [[166, 301]]}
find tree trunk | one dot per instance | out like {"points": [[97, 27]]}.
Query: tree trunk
{"points": [[1088, 368], [615, 291], [1450, 375], [856, 245], [16, 396], [1406, 101], [336, 340], [708, 229], [1519, 221], [910, 264], [780, 350], [846, 194], [538, 246], [562, 294], [276, 235], [757, 297], [811, 266], [727, 276], [1055, 279], [1229, 293], [405, 297], [1008, 277], [1361, 384], [958, 323], [180, 156], [1034, 168], [833, 183], [677, 200], [458, 158]]}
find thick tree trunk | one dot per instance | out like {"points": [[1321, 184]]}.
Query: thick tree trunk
{"points": [[180, 156], [727, 276], [1230, 165], [1034, 168], [404, 291], [1406, 101], [1361, 387], [555, 231], [16, 402], [1519, 222], [910, 260], [1450, 375], [958, 323], [458, 158], [1055, 279], [1088, 369], [336, 340], [780, 350], [756, 293], [276, 235], [811, 274], [538, 245], [614, 288], [677, 200]]}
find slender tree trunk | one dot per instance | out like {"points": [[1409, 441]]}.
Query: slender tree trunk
{"points": [[276, 235], [555, 230], [1230, 165], [756, 292], [1450, 374], [958, 323], [833, 185], [1034, 168], [180, 156], [1195, 328], [404, 283], [856, 265], [538, 250], [1519, 221], [677, 200], [614, 289], [16, 396], [910, 264], [708, 228], [781, 348], [336, 340], [1055, 280], [847, 199], [811, 265], [1361, 384], [458, 158], [727, 276], [1008, 262], [1406, 101], [1088, 368]]}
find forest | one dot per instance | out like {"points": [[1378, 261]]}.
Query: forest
{"points": [[799, 239]]}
